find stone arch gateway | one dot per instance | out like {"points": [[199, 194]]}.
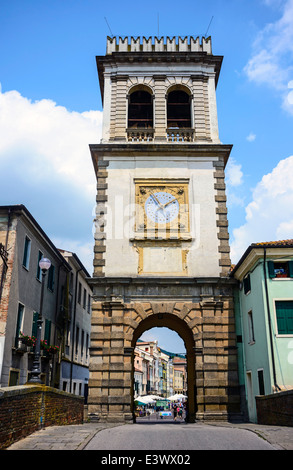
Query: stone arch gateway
{"points": [[161, 251], [205, 322]]}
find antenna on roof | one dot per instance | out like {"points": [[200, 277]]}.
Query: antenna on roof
{"points": [[108, 26], [208, 27], [158, 27]]}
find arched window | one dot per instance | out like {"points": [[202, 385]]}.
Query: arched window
{"points": [[140, 110], [178, 109]]}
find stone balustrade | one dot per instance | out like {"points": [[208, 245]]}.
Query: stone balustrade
{"points": [[180, 135], [140, 135]]}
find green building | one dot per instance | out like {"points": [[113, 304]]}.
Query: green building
{"points": [[264, 320]]}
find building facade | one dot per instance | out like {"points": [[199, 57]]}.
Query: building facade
{"points": [[264, 316], [161, 255], [75, 359], [21, 278], [180, 375], [23, 243]]}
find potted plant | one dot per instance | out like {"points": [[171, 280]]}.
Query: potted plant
{"points": [[53, 349], [27, 340], [44, 345]]}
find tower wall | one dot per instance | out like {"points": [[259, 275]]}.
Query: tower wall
{"points": [[161, 255]]}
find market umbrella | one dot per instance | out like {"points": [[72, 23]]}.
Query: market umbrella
{"points": [[177, 396], [140, 403], [146, 400], [156, 397]]}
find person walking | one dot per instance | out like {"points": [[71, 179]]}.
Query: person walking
{"points": [[175, 411]]}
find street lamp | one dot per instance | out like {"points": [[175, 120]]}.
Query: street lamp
{"points": [[44, 264]]}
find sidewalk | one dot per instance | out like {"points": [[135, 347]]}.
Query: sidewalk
{"points": [[68, 437], [76, 437], [279, 436]]}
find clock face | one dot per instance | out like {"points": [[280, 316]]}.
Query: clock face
{"points": [[161, 207]]}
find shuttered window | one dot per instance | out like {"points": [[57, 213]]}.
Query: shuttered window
{"points": [[39, 271], [51, 275], [47, 335], [280, 269], [284, 312], [26, 252], [19, 323], [35, 324]]}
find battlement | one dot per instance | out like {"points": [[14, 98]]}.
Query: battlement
{"points": [[158, 44]]}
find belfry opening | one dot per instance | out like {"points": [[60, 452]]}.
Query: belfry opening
{"points": [[161, 250]]}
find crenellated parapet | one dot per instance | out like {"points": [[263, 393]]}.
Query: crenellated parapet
{"points": [[158, 44]]}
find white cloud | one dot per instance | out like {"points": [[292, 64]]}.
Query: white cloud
{"points": [[269, 216], [234, 173], [84, 250], [251, 137], [45, 157], [233, 178], [44, 140], [271, 62], [285, 230]]}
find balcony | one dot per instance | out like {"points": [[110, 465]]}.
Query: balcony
{"points": [[180, 135], [140, 135], [172, 135]]}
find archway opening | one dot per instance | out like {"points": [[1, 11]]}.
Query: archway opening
{"points": [[163, 366], [140, 110], [178, 109]]}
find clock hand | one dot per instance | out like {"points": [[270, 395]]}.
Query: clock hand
{"points": [[157, 201], [169, 202]]}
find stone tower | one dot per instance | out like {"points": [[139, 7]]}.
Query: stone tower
{"points": [[161, 255]]}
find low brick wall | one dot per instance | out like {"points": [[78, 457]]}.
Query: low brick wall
{"points": [[25, 409], [275, 409]]}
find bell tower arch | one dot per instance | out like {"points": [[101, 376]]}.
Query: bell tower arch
{"points": [[161, 254]]}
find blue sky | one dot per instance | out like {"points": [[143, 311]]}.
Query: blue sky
{"points": [[50, 106]]}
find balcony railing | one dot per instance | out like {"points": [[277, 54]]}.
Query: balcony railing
{"points": [[172, 135], [140, 135], [180, 135]]}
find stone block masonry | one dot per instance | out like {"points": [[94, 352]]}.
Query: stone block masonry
{"points": [[26, 409], [206, 324]]}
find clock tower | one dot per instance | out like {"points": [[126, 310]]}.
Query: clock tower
{"points": [[161, 254]]}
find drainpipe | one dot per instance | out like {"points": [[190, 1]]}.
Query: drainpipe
{"points": [[269, 321], [73, 328]]}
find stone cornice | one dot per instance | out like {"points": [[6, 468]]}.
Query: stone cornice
{"points": [[163, 58], [153, 280], [159, 149], [121, 290]]}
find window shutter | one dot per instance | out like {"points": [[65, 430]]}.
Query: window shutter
{"points": [[51, 272], [19, 322], [39, 271], [26, 252], [48, 331], [271, 269], [290, 268], [290, 317], [284, 310], [35, 325]]}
